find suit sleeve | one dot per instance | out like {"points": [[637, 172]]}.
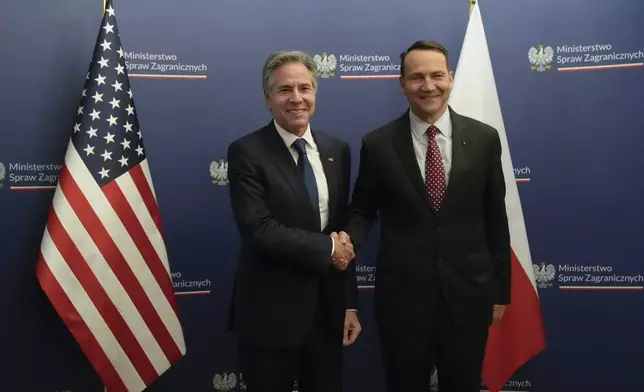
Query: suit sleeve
{"points": [[351, 282], [364, 202], [496, 224], [257, 227]]}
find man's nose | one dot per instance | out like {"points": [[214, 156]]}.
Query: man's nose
{"points": [[428, 84], [296, 96]]}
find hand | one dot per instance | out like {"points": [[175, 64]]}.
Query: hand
{"points": [[499, 310], [344, 237], [352, 328], [346, 241], [343, 252]]}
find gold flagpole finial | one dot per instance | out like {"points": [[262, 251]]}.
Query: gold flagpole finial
{"points": [[471, 2]]}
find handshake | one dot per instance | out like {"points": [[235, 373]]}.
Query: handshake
{"points": [[343, 251]]}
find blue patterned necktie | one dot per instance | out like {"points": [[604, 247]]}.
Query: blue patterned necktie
{"points": [[306, 171]]}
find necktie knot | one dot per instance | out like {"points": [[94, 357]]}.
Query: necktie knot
{"points": [[300, 145], [433, 130]]}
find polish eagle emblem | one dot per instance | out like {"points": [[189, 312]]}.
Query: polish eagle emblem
{"points": [[225, 383], [433, 381], [326, 64], [540, 58], [219, 172], [544, 274]]}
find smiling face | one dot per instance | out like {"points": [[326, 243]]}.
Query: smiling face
{"points": [[291, 97], [427, 83]]}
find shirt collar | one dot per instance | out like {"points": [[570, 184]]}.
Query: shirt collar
{"points": [[289, 138], [419, 127]]}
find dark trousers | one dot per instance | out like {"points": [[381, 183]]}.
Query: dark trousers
{"points": [[457, 353], [316, 365]]}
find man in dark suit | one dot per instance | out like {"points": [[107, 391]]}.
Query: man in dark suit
{"points": [[434, 179], [295, 294]]}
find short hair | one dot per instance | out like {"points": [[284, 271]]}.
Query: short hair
{"points": [[423, 45], [277, 59]]}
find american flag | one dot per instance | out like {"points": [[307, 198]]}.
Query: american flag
{"points": [[102, 261]]}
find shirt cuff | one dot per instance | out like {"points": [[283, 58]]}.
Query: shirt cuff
{"points": [[352, 310], [332, 245]]}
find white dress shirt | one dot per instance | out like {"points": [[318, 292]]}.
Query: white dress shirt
{"points": [[316, 163], [443, 139]]}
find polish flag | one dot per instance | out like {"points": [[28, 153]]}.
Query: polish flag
{"points": [[519, 336]]}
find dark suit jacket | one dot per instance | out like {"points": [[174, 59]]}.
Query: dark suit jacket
{"points": [[463, 254], [284, 269]]}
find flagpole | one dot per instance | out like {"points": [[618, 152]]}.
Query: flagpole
{"points": [[471, 2]]}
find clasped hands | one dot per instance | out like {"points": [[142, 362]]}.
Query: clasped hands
{"points": [[343, 252]]}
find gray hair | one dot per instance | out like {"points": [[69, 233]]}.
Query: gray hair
{"points": [[277, 59]]}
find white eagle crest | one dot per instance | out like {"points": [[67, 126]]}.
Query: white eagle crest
{"points": [[2, 171], [544, 274], [540, 58], [227, 382], [433, 381], [326, 64], [219, 172]]}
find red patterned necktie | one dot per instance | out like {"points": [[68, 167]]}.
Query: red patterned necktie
{"points": [[434, 171]]}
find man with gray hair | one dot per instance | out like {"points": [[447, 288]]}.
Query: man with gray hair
{"points": [[295, 294]]}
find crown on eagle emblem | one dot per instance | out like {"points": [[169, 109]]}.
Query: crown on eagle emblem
{"points": [[219, 172], [325, 64], [540, 58], [225, 382]]}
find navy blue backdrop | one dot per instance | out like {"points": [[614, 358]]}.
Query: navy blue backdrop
{"points": [[195, 68]]}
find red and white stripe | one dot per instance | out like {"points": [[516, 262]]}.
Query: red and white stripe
{"points": [[600, 67], [519, 336], [104, 266]]}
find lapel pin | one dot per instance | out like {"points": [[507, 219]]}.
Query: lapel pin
{"points": [[463, 142], [330, 159]]}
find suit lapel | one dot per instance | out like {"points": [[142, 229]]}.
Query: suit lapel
{"points": [[283, 159], [405, 147], [331, 167], [459, 148]]}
